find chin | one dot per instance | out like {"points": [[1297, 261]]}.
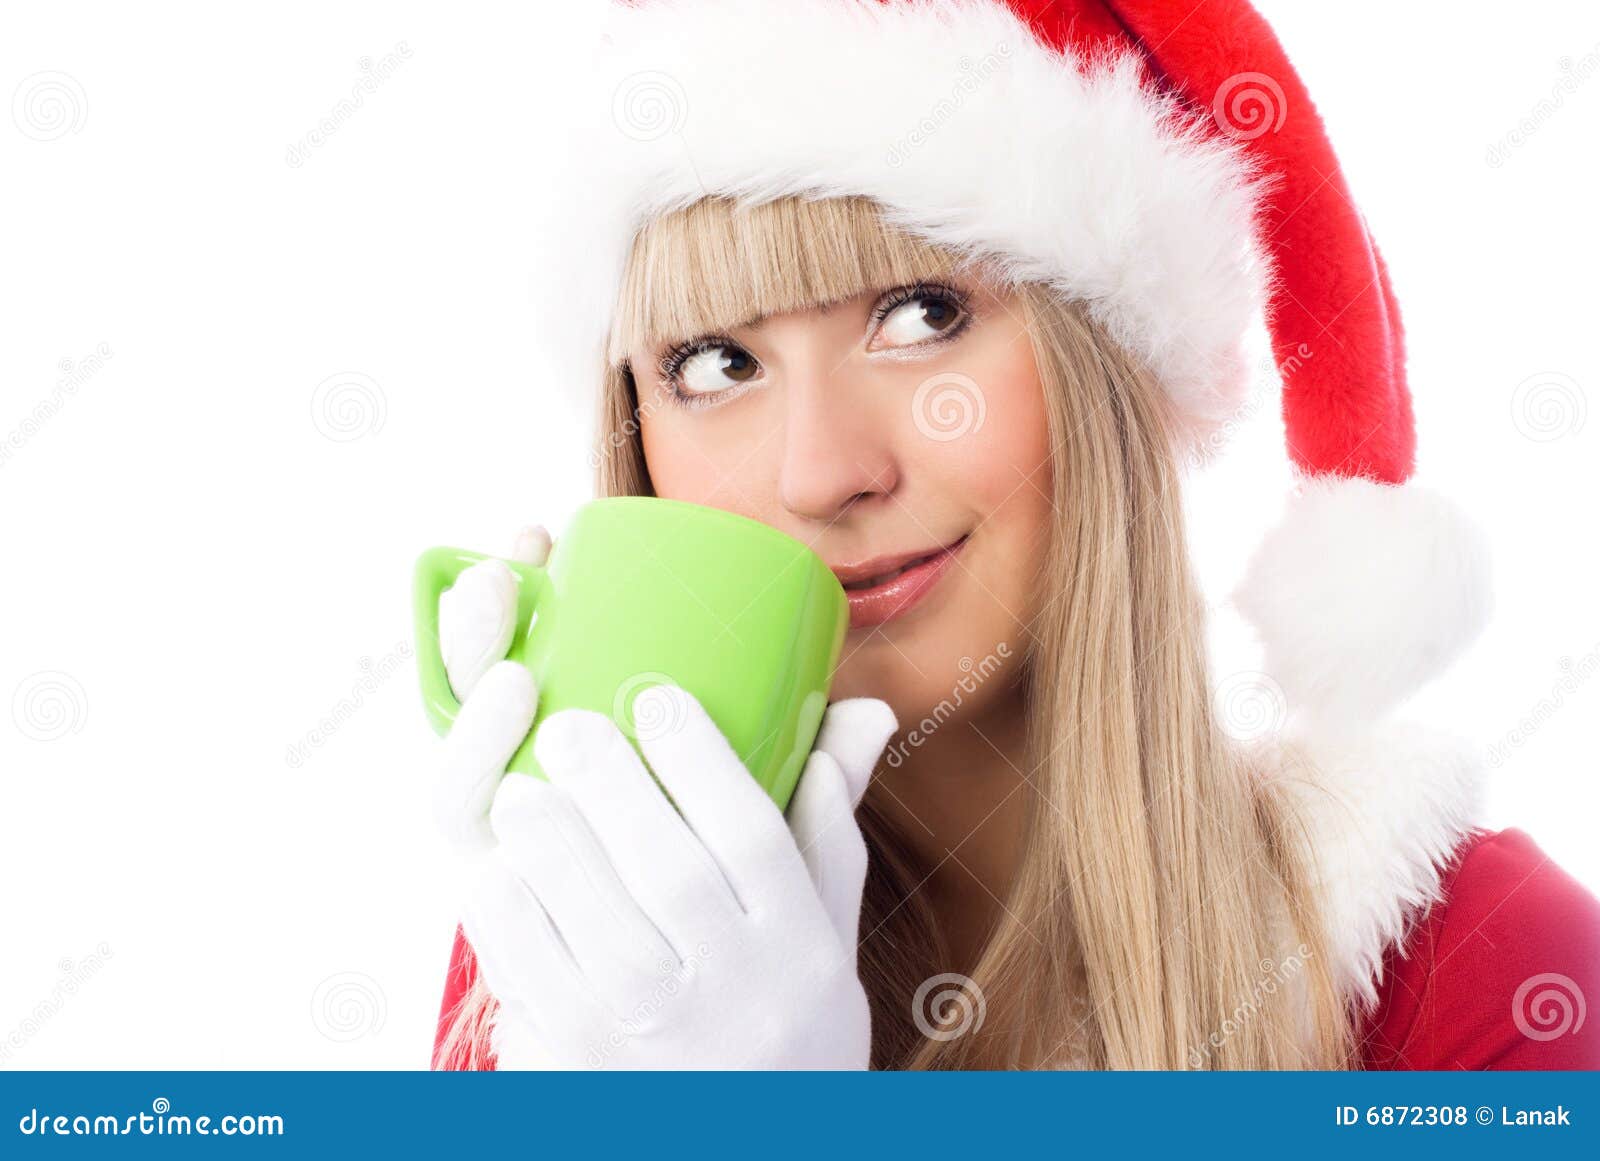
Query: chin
{"points": [[946, 672]]}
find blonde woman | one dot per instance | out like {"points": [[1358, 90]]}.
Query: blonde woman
{"points": [[957, 314]]}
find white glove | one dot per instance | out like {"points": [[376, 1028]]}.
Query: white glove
{"points": [[617, 932]]}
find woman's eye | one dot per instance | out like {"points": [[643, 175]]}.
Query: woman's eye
{"points": [[918, 319], [716, 368]]}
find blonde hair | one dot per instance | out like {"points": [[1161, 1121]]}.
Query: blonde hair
{"points": [[1162, 913]]}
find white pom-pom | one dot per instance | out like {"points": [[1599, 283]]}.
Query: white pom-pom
{"points": [[1363, 593]]}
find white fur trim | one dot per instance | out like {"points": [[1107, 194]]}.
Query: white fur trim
{"points": [[1383, 814], [954, 116], [515, 1046], [1364, 592]]}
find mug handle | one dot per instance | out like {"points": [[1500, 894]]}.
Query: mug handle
{"points": [[436, 570]]}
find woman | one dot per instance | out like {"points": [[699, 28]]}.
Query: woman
{"points": [[954, 310]]}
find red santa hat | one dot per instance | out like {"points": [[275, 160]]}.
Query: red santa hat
{"points": [[1159, 161]]}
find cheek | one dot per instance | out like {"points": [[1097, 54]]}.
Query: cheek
{"points": [[1007, 470], [997, 473], [689, 456], [985, 436], [675, 470]]}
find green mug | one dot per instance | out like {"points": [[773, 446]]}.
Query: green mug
{"points": [[640, 591]]}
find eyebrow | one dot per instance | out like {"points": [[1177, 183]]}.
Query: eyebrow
{"points": [[821, 308], [753, 322]]}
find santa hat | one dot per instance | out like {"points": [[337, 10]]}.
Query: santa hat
{"points": [[1159, 161]]}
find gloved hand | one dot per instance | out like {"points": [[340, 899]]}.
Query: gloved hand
{"points": [[616, 931]]}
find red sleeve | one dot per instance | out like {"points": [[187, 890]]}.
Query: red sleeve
{"points": [[1498, 974], [457, 982]]}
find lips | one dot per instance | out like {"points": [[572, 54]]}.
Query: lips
{"points": [[886, 587]]}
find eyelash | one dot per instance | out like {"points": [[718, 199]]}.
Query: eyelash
{"points": [[673, 359], [904, 294]]}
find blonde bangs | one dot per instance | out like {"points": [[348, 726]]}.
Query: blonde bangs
{"points": [[716, 265]]}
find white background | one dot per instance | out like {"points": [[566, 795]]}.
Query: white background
{"points": [[201, 561]]}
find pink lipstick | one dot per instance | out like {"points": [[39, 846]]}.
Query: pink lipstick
{"points": [[886, 587]]}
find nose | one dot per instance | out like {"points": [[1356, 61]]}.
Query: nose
{"points": [[838, 449]]}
